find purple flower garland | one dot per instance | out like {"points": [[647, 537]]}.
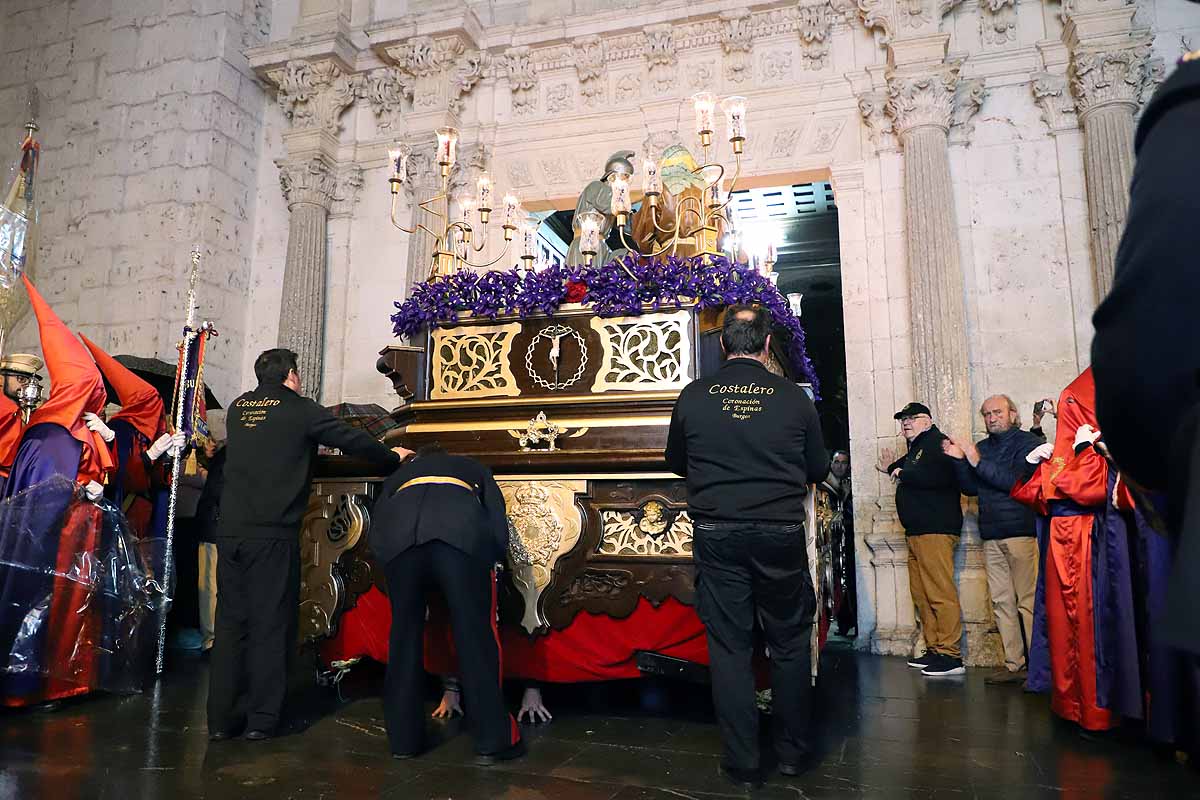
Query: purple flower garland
{"points": [[711, 281]]}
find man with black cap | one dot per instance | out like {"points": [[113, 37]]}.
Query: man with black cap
{"points": [[440, 522], [749, 443], [927, 502]]}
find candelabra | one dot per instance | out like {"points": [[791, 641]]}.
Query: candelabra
{"points": [[696, 219], [457, 242]]}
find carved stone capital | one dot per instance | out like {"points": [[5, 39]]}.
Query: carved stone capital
{"points": [[1105, 76], [737, 42], [659, 50], [347, 187], [386, 89], [588, 53], [813, 24], [312, 181], [968, 99], [872, 105], [437, 74], [313, 94], [904, 17], [998, 21], [522, 80], [1055, 100], [922, 99]]}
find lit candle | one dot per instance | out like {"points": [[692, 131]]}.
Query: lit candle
{"points": [[589, 232], [399, 159], [735, 115], [447, 146], [529, 241], [704, 104], [620, 194], [653, 179], [485, 192], [466, 205], [512, 207]]}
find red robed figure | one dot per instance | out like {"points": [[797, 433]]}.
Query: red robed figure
{"points": [[143, 411], [10, 434], [1071, 490]]}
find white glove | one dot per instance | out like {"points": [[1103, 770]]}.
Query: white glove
{"points": [[172, 442], [1040, 453], [96, 425], [1086, 434], [93, 491]]}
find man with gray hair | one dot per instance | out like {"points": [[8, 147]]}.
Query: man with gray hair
{"points": [[989, 470]]}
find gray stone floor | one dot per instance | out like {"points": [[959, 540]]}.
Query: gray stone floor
{"points": [[882, 732]]}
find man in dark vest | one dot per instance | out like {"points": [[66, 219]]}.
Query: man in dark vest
{"points": [[440, 523]]}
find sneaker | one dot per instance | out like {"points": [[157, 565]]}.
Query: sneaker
{"points": [[943, 666], [921, 662], [1003, 676]]}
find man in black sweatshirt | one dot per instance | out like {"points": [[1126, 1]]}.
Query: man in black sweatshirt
{"points": [[749, 443], [273, 435], [927, 502], [989, 470]]}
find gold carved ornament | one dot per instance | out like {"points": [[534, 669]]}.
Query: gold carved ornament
{"points": [[336, 521], [651, 351], [473, 361], [541, 435], [544, 525], [654, 535]]}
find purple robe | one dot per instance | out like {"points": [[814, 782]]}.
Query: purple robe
{"points": [[1118, 667]]}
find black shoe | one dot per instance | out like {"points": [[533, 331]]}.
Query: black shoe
{"points": [[943, 666], [256, 736], [507, 754], [921, 662], [747, 779], [219, 736]]}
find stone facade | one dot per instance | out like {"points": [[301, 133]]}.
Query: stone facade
{"points": [[978, 154]]}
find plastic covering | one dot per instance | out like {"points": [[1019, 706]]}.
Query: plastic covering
{"points": [[76, 591]]}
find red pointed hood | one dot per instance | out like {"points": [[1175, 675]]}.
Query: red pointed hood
{"points": [[75, 388], [10, 432], [141, 405]]}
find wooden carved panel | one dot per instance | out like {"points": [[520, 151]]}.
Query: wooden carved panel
{"points": [[473, 361], [647, 352]]}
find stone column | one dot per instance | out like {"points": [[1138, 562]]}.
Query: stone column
{"points": [[1108, 83], [921, 105], [424, 184], [309, 189]]}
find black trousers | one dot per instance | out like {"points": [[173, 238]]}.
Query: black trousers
{"points": [[258, 591], [469, 586], [744, 570]]}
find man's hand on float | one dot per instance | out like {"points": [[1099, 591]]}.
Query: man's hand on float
{"points": [[1086, 434], [1040, 453], [531, 704], [403, 452], [96, 425], [451, 705], [93, 491]]}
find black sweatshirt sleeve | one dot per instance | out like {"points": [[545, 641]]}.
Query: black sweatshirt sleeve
{"points": [[330, 431]]}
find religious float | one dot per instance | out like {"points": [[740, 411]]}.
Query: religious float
{"points": [[562, 380]]}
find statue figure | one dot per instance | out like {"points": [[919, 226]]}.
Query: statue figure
{"points": [[679, 181], [597, 196]]}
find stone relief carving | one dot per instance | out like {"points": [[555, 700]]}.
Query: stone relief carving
{"points": [[660, 57], [555, 170], [701, 75], [559, 98], [872, 105], [776, 66], [522, 80], [590, 69], [629, 87], [1053, 97], [655, 534], [1101, 77], [473, 361], [347, 188], [437, 73], [826, 135], [386, 89], [647, 352], [916, 100], [313, 94], [998, 21], [655, 143], [783, 143], [814, 24], [968, 99], [308, 181], [519, 173], [737, 42], [544, 524]]}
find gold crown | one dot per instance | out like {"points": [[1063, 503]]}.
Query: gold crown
{"points": [[21, 363]]}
